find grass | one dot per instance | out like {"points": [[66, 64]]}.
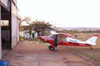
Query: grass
{"points": [[95, 58], [92, 54], [85, 52]]}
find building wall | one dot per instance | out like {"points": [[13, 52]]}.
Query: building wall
{"points": [[0, 35], [14, 22], [14, 25]]}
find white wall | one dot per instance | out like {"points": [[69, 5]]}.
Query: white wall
{"points": [[0, 35], [17, 30], [14, 26]]}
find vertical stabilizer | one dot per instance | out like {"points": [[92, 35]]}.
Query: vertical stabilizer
{"points": [[92, 40]]}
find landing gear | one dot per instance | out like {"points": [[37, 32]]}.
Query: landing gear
{"points": [[51, 48]]}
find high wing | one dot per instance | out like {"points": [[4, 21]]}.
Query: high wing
{"points": [[55, 33], [90, 41]]}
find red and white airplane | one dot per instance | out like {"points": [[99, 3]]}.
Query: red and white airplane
{"points": [[68, 40]]}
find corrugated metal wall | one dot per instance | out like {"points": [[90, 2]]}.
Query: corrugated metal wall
{"points": [[14, 26], [0, 35]]}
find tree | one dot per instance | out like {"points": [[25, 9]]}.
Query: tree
{"points": [[41, 27], [26, 20]]}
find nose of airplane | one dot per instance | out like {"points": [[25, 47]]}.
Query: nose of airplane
{"points": [[40, 37]]}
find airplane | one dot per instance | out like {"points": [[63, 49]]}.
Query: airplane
{"points": [[68, 40]]}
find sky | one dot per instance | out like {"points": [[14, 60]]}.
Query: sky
{"points": [[62, 13]]}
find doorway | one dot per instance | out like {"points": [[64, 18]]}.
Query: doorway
{"points": [[5, 30]]}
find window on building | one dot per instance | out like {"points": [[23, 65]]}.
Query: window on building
{"points": [[4, 22]]}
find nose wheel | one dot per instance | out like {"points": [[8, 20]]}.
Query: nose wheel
{"points": [[51, 48]]}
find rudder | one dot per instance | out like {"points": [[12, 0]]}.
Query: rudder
{"points": [[92, 40]]}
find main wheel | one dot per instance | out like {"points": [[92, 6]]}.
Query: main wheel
{"points": [[51, 48]]}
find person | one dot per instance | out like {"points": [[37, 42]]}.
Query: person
{"points": [[55, 41]]}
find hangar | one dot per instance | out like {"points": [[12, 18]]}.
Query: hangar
{"points": [[9, 25]]}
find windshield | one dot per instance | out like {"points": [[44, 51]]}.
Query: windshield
{"points": [[51, 36]]}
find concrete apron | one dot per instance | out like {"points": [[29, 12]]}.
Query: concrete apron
{"points": [[32, 53]]}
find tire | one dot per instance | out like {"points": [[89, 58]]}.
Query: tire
{"points": [[51, 48]]}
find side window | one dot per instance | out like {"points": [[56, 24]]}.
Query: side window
{"points": [[61, 37]]}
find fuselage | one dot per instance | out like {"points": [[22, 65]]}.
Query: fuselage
{"points": [[65, 43]]}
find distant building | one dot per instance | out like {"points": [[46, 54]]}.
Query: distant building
{"points": [[25, 32], [9, 25]]}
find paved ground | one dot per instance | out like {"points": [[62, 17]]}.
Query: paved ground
{"points": [[32, 53]]}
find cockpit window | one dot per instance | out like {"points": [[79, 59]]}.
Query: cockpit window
{"points": [[61, 37]]}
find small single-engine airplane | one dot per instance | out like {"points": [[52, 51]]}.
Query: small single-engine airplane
{"points": [[68, 40]]}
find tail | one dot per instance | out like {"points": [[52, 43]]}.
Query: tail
{"points": [[92, 40]]}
